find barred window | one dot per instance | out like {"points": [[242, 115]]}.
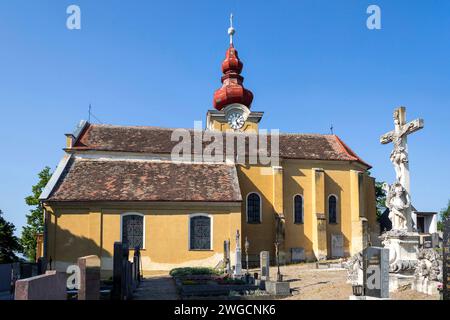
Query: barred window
{"points": [[200, 233], [133, 230], [298, 209], [332, 209], [253, 208]]}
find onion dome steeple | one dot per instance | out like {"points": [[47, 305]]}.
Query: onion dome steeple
{"points": [[232, 90]]}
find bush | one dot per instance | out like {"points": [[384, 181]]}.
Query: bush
{"points": [[182, 272]]}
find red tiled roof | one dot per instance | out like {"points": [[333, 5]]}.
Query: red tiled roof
{"points": [[156, 140], [124, 180]]}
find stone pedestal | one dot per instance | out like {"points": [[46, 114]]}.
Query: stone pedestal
{"points": [[264, 262], [278, 288], [398, 280], [403, 247], [238, 267], [366, 298], [424, 285]]}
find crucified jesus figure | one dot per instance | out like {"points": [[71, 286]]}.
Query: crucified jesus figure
{"points": [[398, 136]]}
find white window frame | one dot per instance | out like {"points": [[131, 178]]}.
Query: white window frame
{"points": [[143, 226], [337, 209], [260, 207], [303, 209], [211, 230]]}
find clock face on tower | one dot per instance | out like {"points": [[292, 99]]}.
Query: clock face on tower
{"points": [[236, 120]]}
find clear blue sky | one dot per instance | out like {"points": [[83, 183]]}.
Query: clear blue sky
{"points": [[309, 64]]}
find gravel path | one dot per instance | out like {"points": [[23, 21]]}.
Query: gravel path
{"points": [[156, 288], [309, 283]]}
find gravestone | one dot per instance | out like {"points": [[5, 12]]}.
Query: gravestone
{"points": [[264, 262], [446, 261], [26, 270], [277, 288], [226, 256], [137, 266], [5, 276], [376, 272], [337, 245], [89, 278], [120, 261], [41, 265], [49, 286], [427, 242], [435, 240], [297, 254], [238, 267]]}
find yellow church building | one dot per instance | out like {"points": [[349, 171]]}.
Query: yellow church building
{"points": [[122, 183]]}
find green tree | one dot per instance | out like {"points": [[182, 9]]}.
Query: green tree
{"points": [[35, 220], [9, 243], [380, 195], [445, 214]]}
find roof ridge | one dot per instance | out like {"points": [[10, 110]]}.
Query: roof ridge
{"points": [[192, 129], [349, 151]]}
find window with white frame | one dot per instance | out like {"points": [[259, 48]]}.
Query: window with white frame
{"points": [[298, 209], [332, 209], [133, 230], [200, 232], [253, 208]]}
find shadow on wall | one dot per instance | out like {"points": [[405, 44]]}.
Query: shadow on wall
{"points": [[298, 231], [64, 249], [260, 235], [331, 187]]}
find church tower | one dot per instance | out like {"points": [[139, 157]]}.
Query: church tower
{"points": [[232, 101]]}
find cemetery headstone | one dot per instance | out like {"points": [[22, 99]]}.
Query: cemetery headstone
{"points": [[427, 242], [137, 263], [49, 286], [337, 245], [120, 261], [227, 260], [435, 240], [238, 268], [89, 278], [264, 260], [297, 255], [41, 265], [26, 270], [446, 261], [376, 272]]}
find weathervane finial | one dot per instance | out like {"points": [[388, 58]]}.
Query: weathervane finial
{"points": [[231, 30]]}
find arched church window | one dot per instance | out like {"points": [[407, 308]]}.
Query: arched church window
{"points": [[253, 208], [200, 232], [332, 209], [133, 230], [298, 209]]}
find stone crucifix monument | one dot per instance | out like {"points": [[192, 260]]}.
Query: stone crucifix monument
{"points": [[399, 191], [403, 240], [238, 266]]}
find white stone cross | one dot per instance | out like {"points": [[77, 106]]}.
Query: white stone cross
{"points": [[399, 154]]}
